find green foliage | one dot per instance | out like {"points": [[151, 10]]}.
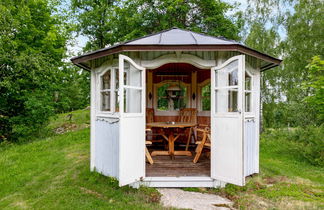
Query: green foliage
{"points": [[70, 121], [72, 89], [108, 22], [304, 40], [34, 81], [31, 48], [205, 92], [306, 143], [315, 86], [291, 32]]}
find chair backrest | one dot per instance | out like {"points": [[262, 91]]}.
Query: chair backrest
{"points": [[149, 115], [188, 115]]}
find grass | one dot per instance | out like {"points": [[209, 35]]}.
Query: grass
{"points": [[286, 180], [53, 173], [63, 123]]}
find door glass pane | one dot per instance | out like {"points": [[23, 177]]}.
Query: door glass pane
{"points": [[232, 100], [105, 101], [132, 100], [221, 102], [233, 78], [106, 80], [248, 103], [227, 76], [133, 76], [248, 82]]}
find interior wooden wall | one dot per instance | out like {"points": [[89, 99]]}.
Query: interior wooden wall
{"points": [[183, 69]]}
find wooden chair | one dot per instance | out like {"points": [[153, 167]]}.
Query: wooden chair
{"points": [[188, 115], [147, 153], [149, 131], [205, 142]]}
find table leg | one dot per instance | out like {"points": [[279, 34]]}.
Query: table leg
{"points": [[171, 139], [171, 145]]}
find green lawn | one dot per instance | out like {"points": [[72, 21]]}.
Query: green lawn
{"points": [[286, 180], [53, 173]]}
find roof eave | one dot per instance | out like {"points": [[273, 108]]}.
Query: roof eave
{"points": [[124, 48]]}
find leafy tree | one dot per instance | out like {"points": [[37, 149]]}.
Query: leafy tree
{"points": [[300, 21], [72, 90], [94, 20], [315, 86], [109, 22], [32, 45], [305, 39]]}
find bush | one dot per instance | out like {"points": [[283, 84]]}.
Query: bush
{"points": [[312, 143], [307, 141]]}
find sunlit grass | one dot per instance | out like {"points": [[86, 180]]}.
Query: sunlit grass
{"points": [[54, 174], [286, 180]]}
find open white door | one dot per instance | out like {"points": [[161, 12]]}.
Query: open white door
{"points": [[227, 148], [132, 121]]}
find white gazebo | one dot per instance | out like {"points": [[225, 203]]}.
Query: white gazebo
{"points": [[126, 79]]}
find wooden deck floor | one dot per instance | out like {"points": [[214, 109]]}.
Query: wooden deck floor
{"points": [[181, 166]]}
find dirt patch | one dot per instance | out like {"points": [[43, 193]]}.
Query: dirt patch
{"points": [[68, 127], [20, 204], [275, 179], [96, 194], [295, 204]]}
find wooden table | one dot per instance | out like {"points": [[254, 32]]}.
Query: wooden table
{"points": [[168, 129]]}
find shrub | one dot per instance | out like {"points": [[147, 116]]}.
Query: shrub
{"points": [[307, 142], [312, 143]]}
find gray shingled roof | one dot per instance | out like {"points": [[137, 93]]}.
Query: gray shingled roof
{"points": [[179, 39], [176, 36]]}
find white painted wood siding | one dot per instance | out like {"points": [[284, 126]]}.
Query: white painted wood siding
{"points": [[250, 147], [106, 144]]}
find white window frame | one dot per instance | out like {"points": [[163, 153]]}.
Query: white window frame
{"points": [[112, 91], [248, 71], [200, 97], [229, 87]]}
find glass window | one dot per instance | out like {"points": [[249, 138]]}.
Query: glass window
{"points": [[226, 94], [248, 82], [227, 100], [232, 100], [116, 90], [233, 78], [248, 93], [171, 97], [133, 91], [105, 98], [132, 100], [205, 97], [227, 76], [106, 80], [248, 102], [106, 91], [132, 76]]}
